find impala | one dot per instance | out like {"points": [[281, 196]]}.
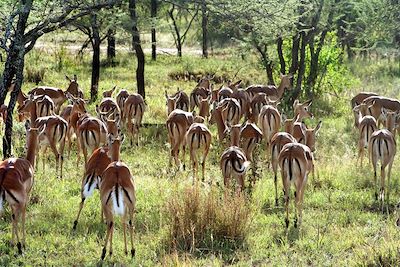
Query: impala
{"points": [[36, 106], [296, 162], [108, 109], [178, 100], [301, 111], [366, 127], [216, 117], [269, 121], [357, 100], [277, 142], [198, 92], [257, 102], [92, 133], [204, 107], [109, 92], [272, 91], [224, 92], [121, 97], [117, 194], [198, 137], [178, 123], [244, 100], [250, 135], [134, 108], [382, 147], [53, 132], [233, 162], [230, 110], [16, 180], [377, 103], [97, 163]]}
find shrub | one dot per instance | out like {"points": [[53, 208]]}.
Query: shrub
{"points": [[202, 221]]}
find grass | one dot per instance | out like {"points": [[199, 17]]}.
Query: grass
{"points": [[342, 224]]}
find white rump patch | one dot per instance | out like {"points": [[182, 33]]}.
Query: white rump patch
{"points": [[88, 191], [118, 205]]}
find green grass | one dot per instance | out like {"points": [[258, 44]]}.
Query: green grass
{"points": [[342, 224]]}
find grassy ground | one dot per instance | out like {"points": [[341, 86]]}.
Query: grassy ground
{"points": [[342, 224]]}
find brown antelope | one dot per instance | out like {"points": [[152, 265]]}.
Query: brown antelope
{"points": [[36, 106], [224, 92], [178, 123], [53, 132], [244, 100], [108, 109], [269, 121], [277, 142], [357, 100], [121, 97], [92, 133], [270, 90], [382, 147], [366, 127], [216, 117], [301, 111], [97, 163], [257, 102], [134, 108], [231, 111], [377, 103], [198, 137], [196, 94], [204, 107], [296, 162], [250, 135], [117, 194], [233, 162], [16, 180], [178, 100], [109, 92]]}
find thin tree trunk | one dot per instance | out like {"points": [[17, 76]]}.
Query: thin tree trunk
{"points": [[267, 63], [153, 29], [302, 66], [94, 88], [295, 54], [138, 49], [204, 22], [280, 54], [111, 46]]}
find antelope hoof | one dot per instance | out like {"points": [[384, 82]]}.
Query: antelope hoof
{"points": [[133, 252], [103, 253], [75, 224], [287, 223], [19, 246]]}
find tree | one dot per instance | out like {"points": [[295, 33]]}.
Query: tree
{"points": [[204, 22], [25, 23], [136, 44], [181, 10], [153, 10]]}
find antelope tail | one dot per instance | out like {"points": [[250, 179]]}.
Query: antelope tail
{"points": [[118, 200]]}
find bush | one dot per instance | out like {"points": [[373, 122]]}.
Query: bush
{"points": [[202, 221]]}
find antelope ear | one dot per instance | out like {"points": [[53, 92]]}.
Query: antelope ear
{"points": [[318, 127], [67, 78], [75, 78]]}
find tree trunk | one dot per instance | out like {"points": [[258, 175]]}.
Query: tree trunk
{"points": [[280, 54], [204, 20], [153, 29], [138, 49], [111, 46], [295, 54], [94, 88], [15, 61], [179, 47], [302, 66], [267, 63]]}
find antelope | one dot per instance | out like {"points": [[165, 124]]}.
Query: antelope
{"points": [[36, 106], [134, 108], [224, 92], [296, 162], [233, 162], [216, 117], [357, 100], [301, 111], [204, 107], [366, 127], [231, 111], [117, 194], [198, 137], [108, 109], [270, 90], [178, 123], [178, 100], [53, 132], [91, 134], [244, 100], [97, 163], [205, 83], [121, 97], [56, 94], [382, 147], [16, 181], [109, 92], [269, 121], [377, 103], [251, 136], [277, 142], [196, 94], [257, 102]]}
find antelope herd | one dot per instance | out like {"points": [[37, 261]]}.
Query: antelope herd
{"points": [[244, 118]]}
